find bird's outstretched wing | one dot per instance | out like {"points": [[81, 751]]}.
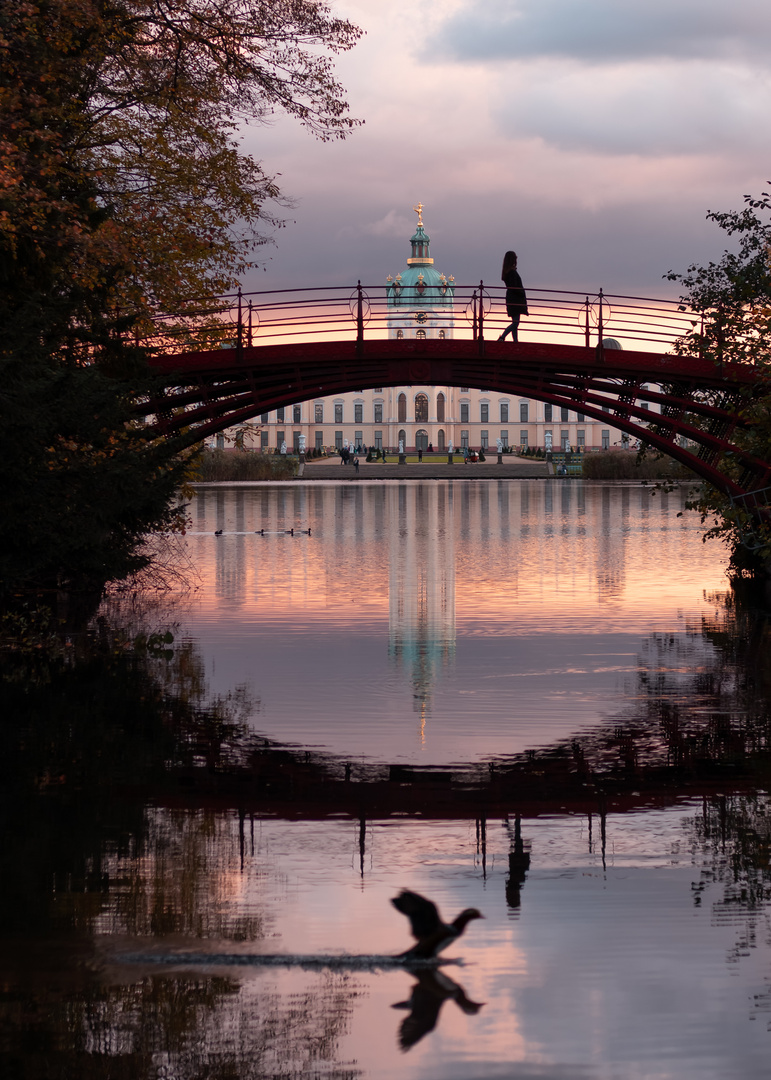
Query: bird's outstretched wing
{"points": [[422, 913]]}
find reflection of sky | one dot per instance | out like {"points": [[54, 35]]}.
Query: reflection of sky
{"points": [[602, 972], [533, 606], [439, 622]]}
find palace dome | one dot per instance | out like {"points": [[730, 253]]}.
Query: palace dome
{"points": [[420, 285]]}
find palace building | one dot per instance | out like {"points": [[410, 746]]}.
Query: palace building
{"points": [[420, 303]]}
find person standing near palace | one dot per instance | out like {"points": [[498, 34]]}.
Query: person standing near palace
{"points": [[516, 301]]}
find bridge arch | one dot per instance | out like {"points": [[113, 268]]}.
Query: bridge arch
{"points": [[699, 423]]}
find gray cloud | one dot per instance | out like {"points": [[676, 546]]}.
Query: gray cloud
{"points": [[640, 109], [605, 31]]}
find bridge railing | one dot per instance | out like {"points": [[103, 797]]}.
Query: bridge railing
{"points": [[363, 312]]}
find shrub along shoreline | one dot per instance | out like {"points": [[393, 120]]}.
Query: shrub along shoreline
{"points": [[626, 465], [223, 465]]}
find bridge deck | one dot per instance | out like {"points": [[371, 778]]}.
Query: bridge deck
{"points": [[402, 357]]}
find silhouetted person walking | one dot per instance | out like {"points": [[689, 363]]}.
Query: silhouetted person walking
{"points": [[516, 301]]}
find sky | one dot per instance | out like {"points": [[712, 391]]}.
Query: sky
{"points": [[591, 138]]}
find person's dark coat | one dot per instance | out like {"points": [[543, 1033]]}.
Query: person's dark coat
{"points": [[516, 301]]}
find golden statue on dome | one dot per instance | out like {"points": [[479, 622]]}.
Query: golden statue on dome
{"points": [[419, 211]]}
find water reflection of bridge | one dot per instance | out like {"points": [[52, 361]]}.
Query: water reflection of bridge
{"points": [[291, 783]]}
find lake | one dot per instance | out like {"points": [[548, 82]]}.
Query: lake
{"points": [[535, 698]]}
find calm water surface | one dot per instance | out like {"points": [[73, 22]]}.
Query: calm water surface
{"points": [[545, 686]]}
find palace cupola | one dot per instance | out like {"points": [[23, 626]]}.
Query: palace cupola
{"points": [[420, 299]]}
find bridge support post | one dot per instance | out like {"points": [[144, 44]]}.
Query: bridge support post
{"points": [[240, 331], [359, 320], [481, 338]]}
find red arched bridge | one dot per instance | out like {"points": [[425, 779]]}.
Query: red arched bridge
{"points": [[605, 356]]}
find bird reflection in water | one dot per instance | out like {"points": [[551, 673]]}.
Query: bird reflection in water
{"points": [[429, 993]]}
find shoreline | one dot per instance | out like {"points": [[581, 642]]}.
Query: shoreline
{"points": [[518, 469]]}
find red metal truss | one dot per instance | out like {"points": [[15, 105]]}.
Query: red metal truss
{"points": [[701, 403]]}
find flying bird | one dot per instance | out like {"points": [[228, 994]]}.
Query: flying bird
{"points": [[432, 934]]}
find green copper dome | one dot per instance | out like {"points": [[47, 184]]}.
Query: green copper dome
{"points": [[420, 285]]}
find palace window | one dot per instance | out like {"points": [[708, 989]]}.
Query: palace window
{"points": [[319, 440], [464, 412], [296, 414], [421, 409], [484, 438], [264, 417], [441, 335], [279, 438], [564, 415], [358, 413], [338, 412], [264, 435], [440, 408], [378, 412], [464, 439], [402, 409], [280, 415], [547, 413], [581, 437], [379, 440], [399, 335], [421, 335], [484, 413], [505, 438], [318, 412], [338, 440], [605, 439], [580, 417]]}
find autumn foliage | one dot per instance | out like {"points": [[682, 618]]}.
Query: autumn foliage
{"points": [[124, 192], [733, 298]]}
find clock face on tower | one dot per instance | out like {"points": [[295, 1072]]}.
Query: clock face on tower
{"points": [[421, 317]]}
